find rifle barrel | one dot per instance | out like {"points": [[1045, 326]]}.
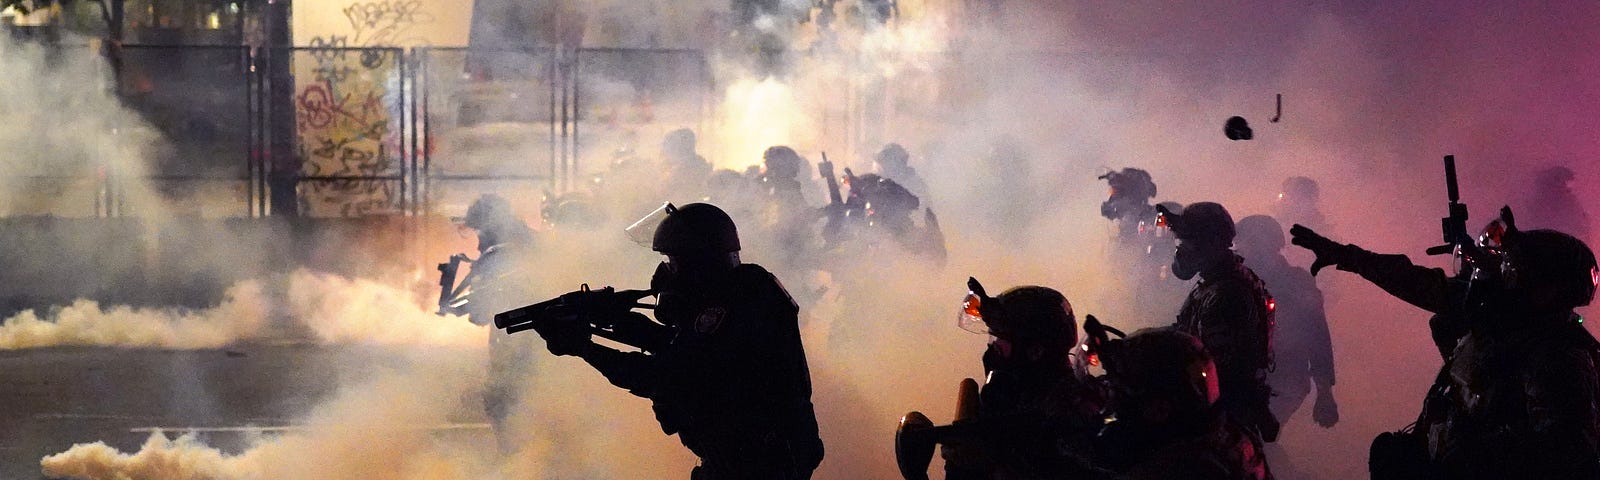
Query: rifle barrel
{"points": [[1450, 178]]}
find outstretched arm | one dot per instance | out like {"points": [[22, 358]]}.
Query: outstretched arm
{"points": [[1427, 288]]}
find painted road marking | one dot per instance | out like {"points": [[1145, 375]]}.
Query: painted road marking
{"points": [[307, 428]]}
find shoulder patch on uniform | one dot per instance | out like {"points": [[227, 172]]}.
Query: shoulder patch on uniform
{"points": [[710, 319]]}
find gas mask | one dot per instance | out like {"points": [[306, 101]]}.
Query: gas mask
{"points": [[1189, 260], [673, 305]]}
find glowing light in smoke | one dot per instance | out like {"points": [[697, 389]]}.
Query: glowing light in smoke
{"points": [[757, 114]]}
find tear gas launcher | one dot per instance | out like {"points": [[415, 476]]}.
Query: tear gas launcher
{"points": [[606, 313], [837, 208], [452, 300]]}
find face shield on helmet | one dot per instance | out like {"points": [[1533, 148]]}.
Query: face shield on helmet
{"points": [[643, 231], [1488, 261], [1492, 242], [970, 317], [1162, 228]]}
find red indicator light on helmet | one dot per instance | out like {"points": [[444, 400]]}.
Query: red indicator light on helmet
{"points": [[1272, 305]]}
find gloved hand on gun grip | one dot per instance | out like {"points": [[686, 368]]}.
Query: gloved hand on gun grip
{"points": [[564, 336], [641, 331], [1329, 253]]}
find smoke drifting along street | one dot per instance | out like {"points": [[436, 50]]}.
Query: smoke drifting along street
{"points": [[158, 330]]}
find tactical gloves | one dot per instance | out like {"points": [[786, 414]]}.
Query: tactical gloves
{"points": [[1329, 253], [565, 336]]}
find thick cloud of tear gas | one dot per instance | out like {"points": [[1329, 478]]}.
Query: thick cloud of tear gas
{"points": [[159, 457], [385, 427], [68, 130], [339, 309], [334, 309], [1373, 95], [242, 315]]}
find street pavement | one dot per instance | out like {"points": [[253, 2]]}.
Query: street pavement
{"points": [[52, 398]]}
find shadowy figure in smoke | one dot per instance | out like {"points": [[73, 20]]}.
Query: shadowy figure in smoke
{"points": [[738, 191], [1519, 393], [894, 162], [1229, 310], [883, 209], [786, 218], [762, 31], [1143, 246], [1302, 346], [575, 210], [1552, 204], [1298, 203], [1012, 196], [685, 170], [724, 368], [1129, 204], [496, 284]]}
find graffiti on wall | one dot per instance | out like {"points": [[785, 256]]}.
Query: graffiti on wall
{"points": [[386, 22], [347, 120], [348, 109]]}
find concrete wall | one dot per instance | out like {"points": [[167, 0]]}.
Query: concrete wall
{"points": [[382, 23]]}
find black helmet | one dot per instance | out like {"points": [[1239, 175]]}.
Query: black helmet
{"points": [[1260, 233], [1299, 188], [1032, 314], [487, 211], [1554, 177], [1132, 182], [1236, 128], [893, 155], [696, 229], [1551, 259], [572, 209], [679, 140], [1204, 220], [781, 162], [1163, 362]]}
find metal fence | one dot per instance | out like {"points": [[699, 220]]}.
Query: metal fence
{"points": [[489, 123], [529, 122], [200, 99], [349, 132]]}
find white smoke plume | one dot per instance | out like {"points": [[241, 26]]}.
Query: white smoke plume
{"points": [[332, 308], [339, 309], [242, 315], [1374, 94], [70, 130], [380, 428]]}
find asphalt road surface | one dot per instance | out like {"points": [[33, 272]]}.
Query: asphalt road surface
{"points": [[52, 398]]}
